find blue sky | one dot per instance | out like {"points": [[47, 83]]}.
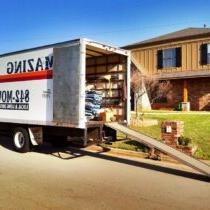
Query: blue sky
{"points": [[30, 23]]}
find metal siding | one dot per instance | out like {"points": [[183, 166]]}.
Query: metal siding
{"points": [[66, 84], [40, 90]]}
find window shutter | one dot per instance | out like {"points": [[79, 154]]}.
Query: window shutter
{"points": [[178, 57], [203, 59], [160, 59]]}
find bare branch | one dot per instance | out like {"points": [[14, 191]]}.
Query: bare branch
{"points": [[155, 89]]}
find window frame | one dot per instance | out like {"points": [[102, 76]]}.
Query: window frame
{"points": [[161, 100], [208, 53], [174, 60]]}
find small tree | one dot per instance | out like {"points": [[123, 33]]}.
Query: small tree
{"points": [[155, 89], [137, 88]]}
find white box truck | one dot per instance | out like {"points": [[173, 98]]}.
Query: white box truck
{"points": [[42, 91]]}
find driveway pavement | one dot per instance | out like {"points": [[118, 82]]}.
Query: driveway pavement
{"points": [[71, 179]]}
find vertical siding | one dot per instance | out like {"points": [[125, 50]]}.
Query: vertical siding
{"points": [[154, 68], [190, 57], [184, 57], [142, 58], [151, 61], [194, 56], [198, 54]]}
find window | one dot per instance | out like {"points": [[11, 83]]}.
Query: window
{"points": [[169, 58], [161, 100], [205, 54]]}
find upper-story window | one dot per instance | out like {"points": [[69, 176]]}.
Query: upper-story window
{"points": [[169, 58], [205, 54]]}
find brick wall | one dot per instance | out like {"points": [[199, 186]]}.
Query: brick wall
{"points": [[198, 90], [174, 98], [199, 94]]}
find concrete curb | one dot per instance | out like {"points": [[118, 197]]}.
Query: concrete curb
{"points": [[129, 153]]}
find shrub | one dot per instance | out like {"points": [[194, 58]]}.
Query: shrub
{"points": [[184, 141]]}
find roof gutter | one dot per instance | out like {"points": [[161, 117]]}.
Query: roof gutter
{"points": [[183, 75], [152, 43]]}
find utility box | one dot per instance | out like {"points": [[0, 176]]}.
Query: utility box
{"points": [[185, 106]]}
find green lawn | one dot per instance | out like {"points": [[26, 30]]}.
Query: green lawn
{"points": [[196, 127]]}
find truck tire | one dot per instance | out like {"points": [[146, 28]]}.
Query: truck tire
{"points": [[21, 140]]}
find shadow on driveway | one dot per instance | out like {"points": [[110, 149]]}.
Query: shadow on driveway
{"points": [[73, 152], [67, 153]]}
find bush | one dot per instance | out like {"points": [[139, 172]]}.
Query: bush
{"points": [[184, 141], [178, 107]]}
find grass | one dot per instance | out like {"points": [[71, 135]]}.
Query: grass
{"points": [[196, 127]]}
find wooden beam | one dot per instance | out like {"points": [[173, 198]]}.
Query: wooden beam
{"points": [[185, 91], [93, 54], [183, 75], [89, 55], [97, 52], [104, 64]]}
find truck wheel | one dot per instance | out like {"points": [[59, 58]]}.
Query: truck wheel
{"points": [[21, 140]]}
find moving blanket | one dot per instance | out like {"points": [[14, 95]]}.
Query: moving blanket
{"points": [[92, 104]]}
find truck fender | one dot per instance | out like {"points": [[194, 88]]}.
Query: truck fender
{"points": [[36, 135]]}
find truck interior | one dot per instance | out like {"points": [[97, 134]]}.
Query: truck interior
{"points": [[106, 76]]}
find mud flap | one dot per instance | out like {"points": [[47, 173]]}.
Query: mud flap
{"points": [[36, 135]]}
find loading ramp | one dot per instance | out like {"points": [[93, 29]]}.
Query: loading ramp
{"points": [[152, 143]]}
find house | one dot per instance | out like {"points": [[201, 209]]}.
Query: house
{"points": [[183, 58]]}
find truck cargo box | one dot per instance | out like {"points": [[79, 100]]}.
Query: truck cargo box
{"points": [[46, 85]]}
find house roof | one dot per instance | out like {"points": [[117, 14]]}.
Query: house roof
{"points": [[188, 33]]}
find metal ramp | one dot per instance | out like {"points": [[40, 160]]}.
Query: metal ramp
{"points": [[152, 143]]}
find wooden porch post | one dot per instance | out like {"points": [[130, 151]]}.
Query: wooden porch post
{"points": [[185, 91]]}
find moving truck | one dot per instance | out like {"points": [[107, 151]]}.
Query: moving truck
{"points": [[43, 91]]}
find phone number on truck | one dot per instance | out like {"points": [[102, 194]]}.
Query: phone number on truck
{"points": [[14, 96], [14, 99]]}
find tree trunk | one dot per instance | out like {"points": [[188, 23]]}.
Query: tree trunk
{"points": [[136, 106]]}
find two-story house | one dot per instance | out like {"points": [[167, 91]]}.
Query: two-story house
{"points": [[183, 58]]}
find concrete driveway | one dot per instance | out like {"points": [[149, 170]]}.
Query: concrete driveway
{"points": [[68, 179]]}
